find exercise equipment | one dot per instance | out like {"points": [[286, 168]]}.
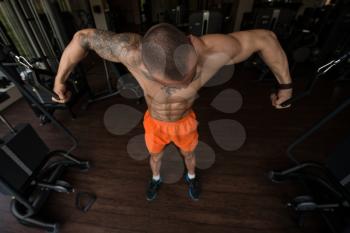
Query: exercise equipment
{"points": [[29, 172], [302, 38], [106, 21], [39, 83], [320, 72], [205, 22], [37, 29], [336, 34], [125, 82], [84, 201], [327, 185], [12, 74]]}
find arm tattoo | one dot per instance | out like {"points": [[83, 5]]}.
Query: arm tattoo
{"points": [[112, 46]]}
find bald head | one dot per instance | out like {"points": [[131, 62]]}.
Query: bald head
{"points": [[167, 52]]}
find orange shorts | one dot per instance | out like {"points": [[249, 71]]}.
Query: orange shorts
{"points": [[183, 133]]}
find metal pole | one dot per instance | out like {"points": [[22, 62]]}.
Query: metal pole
{"points": [[109, 85], [24, 25], [41, 28], [55, 23], [9, 126]]}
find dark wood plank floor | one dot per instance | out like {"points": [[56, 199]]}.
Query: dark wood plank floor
{"points": [[237, 195]]}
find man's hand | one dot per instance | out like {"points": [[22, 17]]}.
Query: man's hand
{"points": [[280, 97], [61, 90]]}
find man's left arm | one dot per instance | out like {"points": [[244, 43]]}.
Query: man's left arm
{"points": [[239, 46], [266, 44]]}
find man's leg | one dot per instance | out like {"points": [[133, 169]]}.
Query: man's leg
{"points": [[190, 176], [190, 161], [155, 163]]}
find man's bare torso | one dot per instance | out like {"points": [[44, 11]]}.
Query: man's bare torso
{"points": [[172, 103]]}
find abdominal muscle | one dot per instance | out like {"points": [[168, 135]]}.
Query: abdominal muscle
{"points": [[164, 106], [169, 110]]}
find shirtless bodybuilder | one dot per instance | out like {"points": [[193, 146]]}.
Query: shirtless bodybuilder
{"points": [[171, 67]]}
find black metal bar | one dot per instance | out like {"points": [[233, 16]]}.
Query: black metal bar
{"points": [[298, 168], [318, 125], [18, 197], [9, 126], [34, 222]]}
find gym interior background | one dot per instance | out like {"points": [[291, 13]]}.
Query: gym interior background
{"points": [[289, 174]]}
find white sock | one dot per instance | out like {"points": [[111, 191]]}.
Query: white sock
{"points": [[156, 178], [190, 176]]}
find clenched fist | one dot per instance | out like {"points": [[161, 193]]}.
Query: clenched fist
{"points": [[281, 96], [61, 90]]}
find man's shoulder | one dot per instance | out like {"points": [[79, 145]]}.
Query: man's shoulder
{"points": [[217, 49], [218, 43]]}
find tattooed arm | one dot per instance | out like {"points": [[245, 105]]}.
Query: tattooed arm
{"points": [[114, 47]]}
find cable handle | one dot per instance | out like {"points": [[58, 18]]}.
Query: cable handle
{"points": [[320, 71], [35, 73]]}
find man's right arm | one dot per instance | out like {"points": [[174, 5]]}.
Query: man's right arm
{"points": [[114, 47]]}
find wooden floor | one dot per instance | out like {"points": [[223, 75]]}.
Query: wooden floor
{"points": [[237, 195]]}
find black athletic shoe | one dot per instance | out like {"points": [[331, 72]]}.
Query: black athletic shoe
{"points": [[152, 189], [194, 187]]}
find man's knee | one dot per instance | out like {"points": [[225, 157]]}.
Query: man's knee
{"points": [[156, 157], [187, 154]]}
